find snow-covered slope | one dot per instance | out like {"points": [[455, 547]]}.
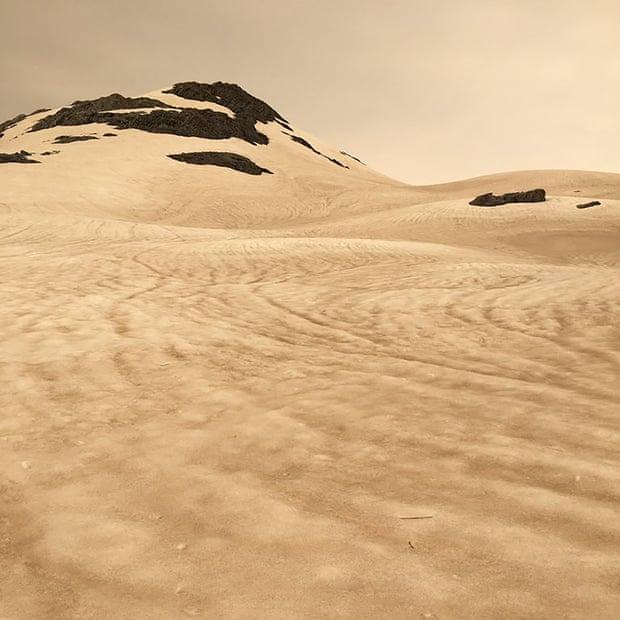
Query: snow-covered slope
{"points": [[225, 394], [111, 156]]}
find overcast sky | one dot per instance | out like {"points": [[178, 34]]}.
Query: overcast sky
{"points": [[423, 91]]}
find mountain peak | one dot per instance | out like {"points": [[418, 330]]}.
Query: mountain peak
{"points": [[212, 111], [200, 140], [229, 95], [155, 116]]}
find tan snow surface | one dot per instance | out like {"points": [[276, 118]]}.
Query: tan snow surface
{"points": [[219, 392]]}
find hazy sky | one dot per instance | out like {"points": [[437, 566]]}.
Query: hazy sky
{"points": [[424, 91]]}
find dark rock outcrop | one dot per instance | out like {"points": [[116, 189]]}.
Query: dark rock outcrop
{"points": [[230, 96], [188, 122], [109, 134], [85, 112], [305, 143], [248, 109], [587, 205], [69, 139], [17, 158], [18, 119], [11, 123], [226, 160], [491, 200], [191, 122], [178, 121]]}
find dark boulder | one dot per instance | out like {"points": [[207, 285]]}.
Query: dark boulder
{"points": [[491, 200], [586, 205], [226, 160]]}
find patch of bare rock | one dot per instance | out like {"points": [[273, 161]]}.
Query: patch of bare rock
{"points": [[226, 160], [22, 157], [491, 200]]}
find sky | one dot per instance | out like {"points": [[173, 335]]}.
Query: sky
{"points": [[424, 91]]}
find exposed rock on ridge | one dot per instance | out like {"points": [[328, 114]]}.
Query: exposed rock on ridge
{"points": [[18, 119], [188, 122], [85, 112], [231, 96], [11, 123]]}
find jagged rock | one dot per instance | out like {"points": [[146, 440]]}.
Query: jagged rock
{"points": [[491, 200], [17, 158], [69, 139], [227, 160], [586, 205]]}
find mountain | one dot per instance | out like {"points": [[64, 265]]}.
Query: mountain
{"points": [[243, 375], [202, 146]]}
